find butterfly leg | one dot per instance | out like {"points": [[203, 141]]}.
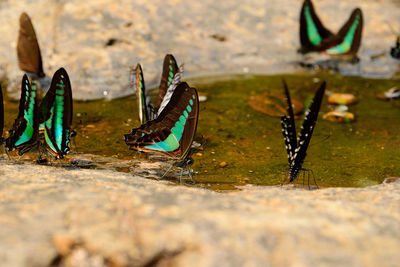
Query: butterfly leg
{"points": [[170, 167], [285, 176], [315, 182], [6, 151], [180, 176], [191, 176]]}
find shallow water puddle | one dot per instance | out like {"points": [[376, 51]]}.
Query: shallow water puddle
{"points": [[243, 146]]}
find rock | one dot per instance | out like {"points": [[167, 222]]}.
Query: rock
{"points": [[202, 98], [342, 99], [339, 116], [273, 104], [390, 180], [98, 45], [223, 164]]}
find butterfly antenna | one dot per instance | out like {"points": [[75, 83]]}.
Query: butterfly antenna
{"points": [[391, 29]]}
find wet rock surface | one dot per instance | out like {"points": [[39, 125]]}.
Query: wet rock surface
{"points": [[78, 217], [97, 41]]}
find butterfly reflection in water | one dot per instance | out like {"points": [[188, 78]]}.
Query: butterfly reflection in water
{"points": [[296, 149], [314, 37], [171, 133], [45, 129]]}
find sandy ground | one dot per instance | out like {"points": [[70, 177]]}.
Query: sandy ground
{"points": [[78, 217]]}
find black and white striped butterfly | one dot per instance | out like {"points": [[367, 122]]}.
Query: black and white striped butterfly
{"points": [[297, 151]]}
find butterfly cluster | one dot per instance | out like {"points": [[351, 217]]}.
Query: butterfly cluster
{"points": [[314, 37], [168, 123], [169, 127], [42, 125]]}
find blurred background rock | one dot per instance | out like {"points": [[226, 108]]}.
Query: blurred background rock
{"points": [[98, 40]]}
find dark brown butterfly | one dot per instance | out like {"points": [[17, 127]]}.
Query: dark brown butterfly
{"points": [[171, 134], [314, 37], [28, 51]]}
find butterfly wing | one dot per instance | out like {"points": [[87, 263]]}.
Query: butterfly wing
{"points": [[172, 132], [348, 39], [172, 86], [141, 95], [28, 51], [56, 110], [288, 127], [170, 68], [395, 51], [312, 31], [306, 133], [1, 115], [24, 133]]}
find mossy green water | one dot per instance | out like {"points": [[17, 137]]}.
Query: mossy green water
{"points": [[250, 143]]}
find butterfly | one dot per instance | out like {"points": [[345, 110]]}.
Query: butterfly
{"points": [[46, 126], [395, 51], [171, 133], [297, 151], [170, 78], [314, 37], [28, 52], [1, 116]]}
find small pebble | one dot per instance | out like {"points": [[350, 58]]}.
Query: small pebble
{"points": [[202, 98], [251, 171], [339, 98], [339, 116], [223, 164]]}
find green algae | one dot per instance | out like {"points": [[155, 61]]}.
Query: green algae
{"points": [[249, 142]]}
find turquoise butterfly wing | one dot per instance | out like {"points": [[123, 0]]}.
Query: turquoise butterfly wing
{"points": [[56, 114], [24, 134], [348, 39], [312, 31]]}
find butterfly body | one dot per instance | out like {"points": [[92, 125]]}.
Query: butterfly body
{"points": [[314, 37], [297, 149]]}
